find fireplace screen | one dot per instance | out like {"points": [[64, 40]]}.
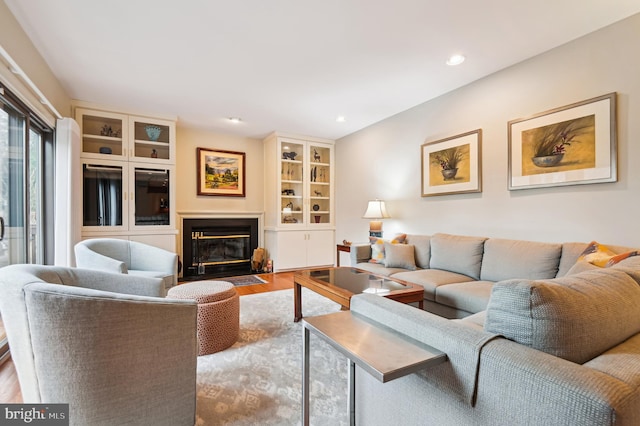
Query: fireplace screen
{"points": [[211, 250], [218, 247]]}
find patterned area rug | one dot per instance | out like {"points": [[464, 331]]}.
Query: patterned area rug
{"points": [[258, 381], [244, 280]]}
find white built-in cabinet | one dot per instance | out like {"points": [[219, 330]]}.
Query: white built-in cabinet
{"points": [[299, 201], [128, 176]]}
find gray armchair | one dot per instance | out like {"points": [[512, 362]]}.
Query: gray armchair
{"points": [[104, 343], [128, 257]]}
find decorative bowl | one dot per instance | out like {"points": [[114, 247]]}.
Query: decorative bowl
{"points": [[153, 132]]}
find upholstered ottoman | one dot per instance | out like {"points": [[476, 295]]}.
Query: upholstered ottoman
{"points": [[218, 313]]}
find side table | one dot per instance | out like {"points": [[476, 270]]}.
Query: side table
{"points": [[378, 350], [341, 247]]}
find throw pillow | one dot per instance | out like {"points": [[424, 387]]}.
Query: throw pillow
{"points": [[576, 317], [377, 247], [399, 256], [602, 256]]}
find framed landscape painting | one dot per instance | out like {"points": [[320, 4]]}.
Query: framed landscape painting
{"points": [[452, 165], [221, 173], [571, 145]]}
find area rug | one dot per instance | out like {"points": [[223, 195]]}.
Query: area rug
{"points": [[258, 381], [244, 280]]}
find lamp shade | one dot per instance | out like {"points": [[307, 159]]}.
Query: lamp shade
{"points": [[376, 210]]}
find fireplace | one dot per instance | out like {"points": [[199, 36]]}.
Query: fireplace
{"points": [[218, 247]]}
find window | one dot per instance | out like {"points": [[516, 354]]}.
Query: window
{"points": [[26, 171]]}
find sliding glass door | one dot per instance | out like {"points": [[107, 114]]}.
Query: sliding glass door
{"points": [[22, 204]]}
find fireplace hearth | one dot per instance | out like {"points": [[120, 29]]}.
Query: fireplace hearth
{"points": [[219, 247]]}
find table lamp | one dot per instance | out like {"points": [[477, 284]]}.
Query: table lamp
{"points": [[376, 210]]}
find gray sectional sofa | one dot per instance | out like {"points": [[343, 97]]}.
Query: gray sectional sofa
{"points": [[553, 340], [458, 272]]}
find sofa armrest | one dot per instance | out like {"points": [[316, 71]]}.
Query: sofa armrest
{"points": [[461, 343], [112, 282], [89, 259], [359, 253], [90, 346], [150, 258], [511, 382]]}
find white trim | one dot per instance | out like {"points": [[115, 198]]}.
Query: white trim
{"points": [[16, 80]]}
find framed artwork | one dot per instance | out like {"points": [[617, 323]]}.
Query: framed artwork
{"points": [[221, 173], [452, 165], [570, 145]]}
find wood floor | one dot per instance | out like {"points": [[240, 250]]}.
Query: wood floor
{"points": [[10, 388]]}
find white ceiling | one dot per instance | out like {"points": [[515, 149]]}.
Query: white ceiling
{"points": [[292, 65]]}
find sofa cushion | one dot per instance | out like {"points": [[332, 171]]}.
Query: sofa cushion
{"points": [[576, 317], [378, 269], [470, 297], [581, 266], [431, 279], [457, 253], [570, 254], [508, 259], [604, 256], [422, 244], [377, 247], [630, 266], [399, 256]]}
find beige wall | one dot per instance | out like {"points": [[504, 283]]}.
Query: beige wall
{"points": [[14, 40], [383, 160], [187, 198]]}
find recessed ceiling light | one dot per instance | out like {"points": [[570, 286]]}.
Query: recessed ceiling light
{"points": [[455, 60], [235, 120], [341, 119]]}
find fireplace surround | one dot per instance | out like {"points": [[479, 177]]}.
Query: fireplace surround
{"points": [[218, 247]]}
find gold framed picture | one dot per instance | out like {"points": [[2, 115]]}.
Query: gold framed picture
{"points": [[452, 165], [570, 145], [221, 173]]}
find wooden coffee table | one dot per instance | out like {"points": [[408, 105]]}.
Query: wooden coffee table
{"points": [[341, 283]]}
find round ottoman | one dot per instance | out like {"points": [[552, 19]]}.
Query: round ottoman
{"points": [[218, 313]]}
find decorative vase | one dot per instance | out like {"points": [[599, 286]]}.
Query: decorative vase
{"points": [[317, 218], [547, 160], [153, 132], [449, 174]]}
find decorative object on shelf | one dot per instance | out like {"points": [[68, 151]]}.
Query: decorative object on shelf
{"points": [[316, 156], [346, 243], [316, 207], [452, 165], [153, 132], [154, 153], [314, 172], [106, 130], [317, 193], [287, 191], [376, 209], [570, 145], [317, 218], [105, 150], [221, 173], [289, 155]]}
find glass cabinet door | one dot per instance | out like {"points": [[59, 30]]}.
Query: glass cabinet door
{"points": [[319, 184], [103, 134], [151, 140], [151, 202], [104, 195], [291, 182]]}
